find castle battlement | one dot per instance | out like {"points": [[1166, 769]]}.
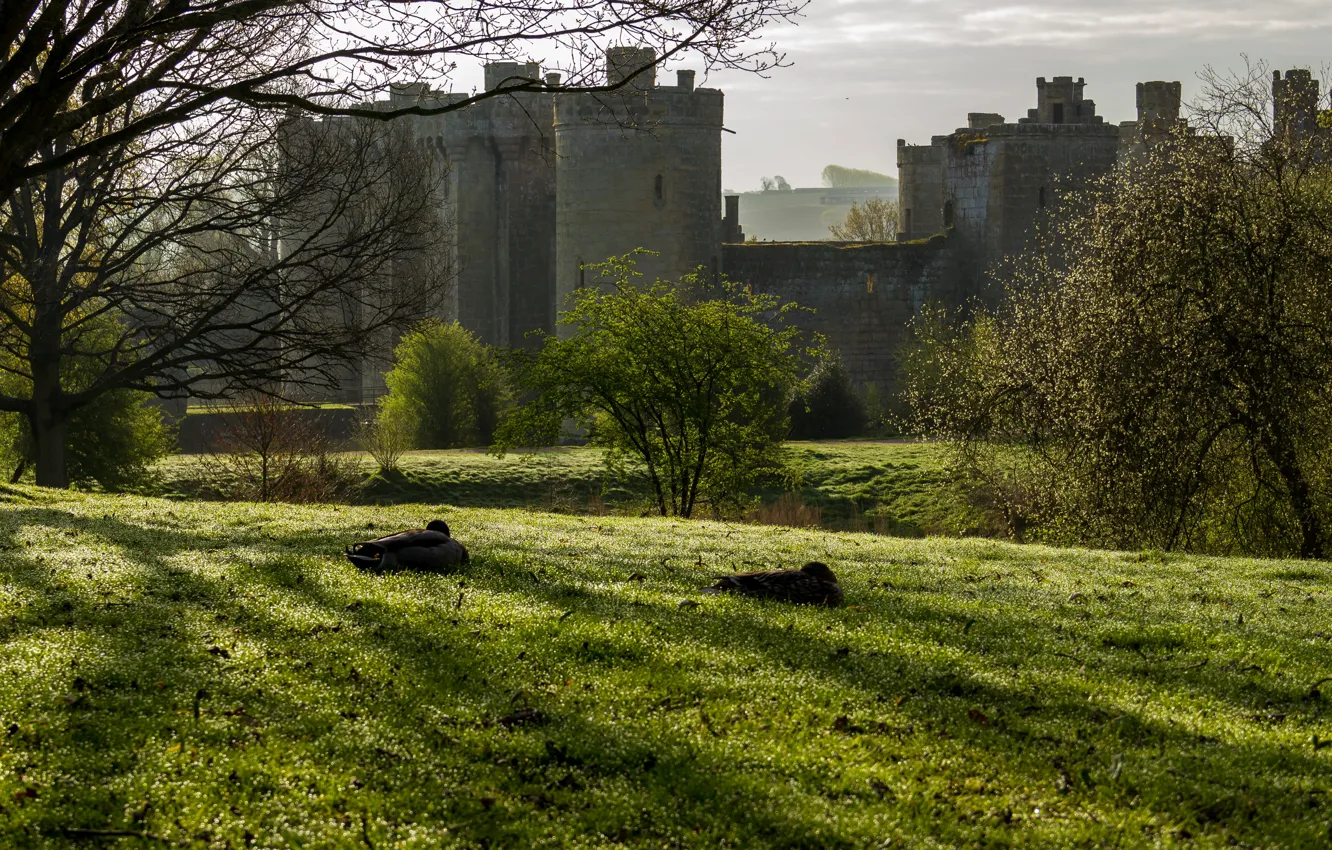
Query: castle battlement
{"points": [[918, 154], [1027, 130]]}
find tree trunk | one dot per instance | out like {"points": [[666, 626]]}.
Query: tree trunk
{"points": [[48, 422], [48, 439], [1282, 455]]}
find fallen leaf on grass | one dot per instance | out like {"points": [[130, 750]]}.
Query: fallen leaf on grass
{"points": [[843, 724], [978, 716]]}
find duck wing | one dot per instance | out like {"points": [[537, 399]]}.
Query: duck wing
{"points": [[435, 557], [784, 585], [416, 537], [381, 553], [415, 549]]}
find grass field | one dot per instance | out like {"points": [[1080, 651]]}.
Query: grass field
{"points": [[217, 675], [894, 488]]}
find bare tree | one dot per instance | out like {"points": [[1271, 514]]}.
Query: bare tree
{"points": [[876, 220], [149, 174], [269, 450], [240, 250], [68, 64]]}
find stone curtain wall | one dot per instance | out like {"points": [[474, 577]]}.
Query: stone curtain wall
{"points": [[863, 295]]}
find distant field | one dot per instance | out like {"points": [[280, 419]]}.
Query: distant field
{"points": [[184, 674], [894, 488]]}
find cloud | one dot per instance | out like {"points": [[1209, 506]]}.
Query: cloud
{"points": [[867, 72], [968, 23]]}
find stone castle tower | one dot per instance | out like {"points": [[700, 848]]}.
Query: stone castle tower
{"points": [[640, 168], [988, 184], [1295, 102], [539, 184]]}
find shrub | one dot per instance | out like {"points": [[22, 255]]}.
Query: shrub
{"points": [[113, 442], [830, 408], [384, 437], [269, 450], [446, 389]]}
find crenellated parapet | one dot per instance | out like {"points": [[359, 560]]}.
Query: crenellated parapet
{"points": [[638, 168]]}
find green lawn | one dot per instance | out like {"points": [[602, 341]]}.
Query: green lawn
{"points": [[217, 675], [894, 488]]}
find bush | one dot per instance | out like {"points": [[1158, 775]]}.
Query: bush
{"points": [[384, 437], [830, 408], [269, 450], [113, 442], [446, 389]]}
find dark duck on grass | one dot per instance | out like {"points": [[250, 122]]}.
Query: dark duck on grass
{"points": [[429, 548], [812, 584]]}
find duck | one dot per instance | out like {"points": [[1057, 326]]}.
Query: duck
{"points": [[429, 548], [812, 584]]}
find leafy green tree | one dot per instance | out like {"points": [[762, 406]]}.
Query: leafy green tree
{"points": [[1163, 380], [690, 379], [446, 389], [876, 220], [113, 442]]}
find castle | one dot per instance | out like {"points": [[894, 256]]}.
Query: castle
{"points": [[542, 183]]}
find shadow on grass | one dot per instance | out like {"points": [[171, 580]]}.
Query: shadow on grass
{"points": [[395, 695]]}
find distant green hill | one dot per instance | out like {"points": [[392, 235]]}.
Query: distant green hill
{"points": [[841, 177]]}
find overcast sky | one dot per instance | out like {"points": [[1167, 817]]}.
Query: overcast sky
{"points": [[867, 72]]}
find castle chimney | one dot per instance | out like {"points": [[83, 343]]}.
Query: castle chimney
{"points": [[731, 230], [684, 80]]}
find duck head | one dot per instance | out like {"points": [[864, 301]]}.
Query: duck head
{"points": [[438, 525], [819, 571]]}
